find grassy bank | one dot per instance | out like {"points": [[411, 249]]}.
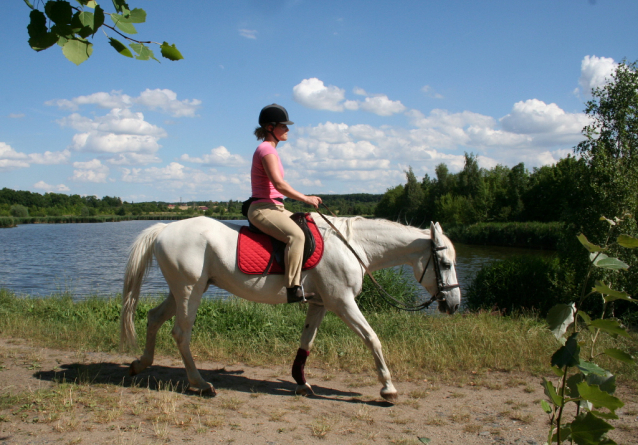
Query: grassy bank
{"points": [[534, 235], [414, 345]]}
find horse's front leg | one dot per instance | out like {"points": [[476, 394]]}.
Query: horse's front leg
{"points": [[156, 318], [314, 317], [350, 313], [187, 301]]}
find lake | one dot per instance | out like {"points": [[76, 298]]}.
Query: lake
{"points": [[89, 259]]}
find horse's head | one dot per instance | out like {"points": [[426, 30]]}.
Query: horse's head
{"points": [[438, 274]]}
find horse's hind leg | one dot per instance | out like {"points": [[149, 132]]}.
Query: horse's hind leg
{"points": [[156, 318], [355, 320], [314, 316], [188, 302]]}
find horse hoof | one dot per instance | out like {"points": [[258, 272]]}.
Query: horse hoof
{"points": [[135, 368], [390, 396], [204, 392], [304, 390]]}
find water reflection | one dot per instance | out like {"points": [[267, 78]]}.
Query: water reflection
{"points": [[89, 259]]}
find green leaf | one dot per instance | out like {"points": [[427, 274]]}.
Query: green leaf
{"points": [[550, 391], [122, 25], [604, 415], [79, 26], [121, 7], [120, 47], [546, 406], [600, 399], [628, 241], [77, 51], [425, 440], [143, 51], [98, 17], [588, 429], [60, 12], [589, 246], [591, 368], [63, 30], [610, 294], [39, 36], [29, 4], [572, 383], [136, 16], [612, 327], [620, 355], [605, 262], [170, 52], [609, 221], [557, 371], [568, 355], [606, 383], [560, 317]]}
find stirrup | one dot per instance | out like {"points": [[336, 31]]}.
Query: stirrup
{"points": [[296, 294]]}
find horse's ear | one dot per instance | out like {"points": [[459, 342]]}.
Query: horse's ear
{"points": [[435, 232]]}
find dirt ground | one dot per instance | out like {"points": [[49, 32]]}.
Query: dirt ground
{"points": [[51, 396]]}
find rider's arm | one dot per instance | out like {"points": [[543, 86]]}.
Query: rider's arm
{"points": [[271, 166]]}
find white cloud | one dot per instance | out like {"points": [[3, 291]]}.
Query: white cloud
{"points": [[382, 106], [312, 93], [90, 171], [8, 153], [15, 115], [595, 72], [11, 159], [219, 156], [248, 33], [166, 100], [114, 99], [120, 131], [544, 122], [429, 91], [41, 185], [50, 157], [158, 99]]}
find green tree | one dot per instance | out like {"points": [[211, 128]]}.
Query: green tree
{"points": [[71, 27], [610, 179], [412, 197]]}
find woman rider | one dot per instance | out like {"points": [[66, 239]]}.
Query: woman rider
{"points": [[267, 212]]}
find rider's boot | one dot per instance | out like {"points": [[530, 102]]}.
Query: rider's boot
{"points": [[296, 294]]}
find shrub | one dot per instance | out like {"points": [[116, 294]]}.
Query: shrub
{"points": [[518, 284], [395, 282], [19, 211]]}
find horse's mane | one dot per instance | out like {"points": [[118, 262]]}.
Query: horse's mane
{"points": [[346, 226]]}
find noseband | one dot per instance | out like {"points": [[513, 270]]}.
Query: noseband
{"points": [[442, 287]]}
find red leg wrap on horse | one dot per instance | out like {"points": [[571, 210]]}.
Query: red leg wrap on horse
{"points": [[298, 366]]}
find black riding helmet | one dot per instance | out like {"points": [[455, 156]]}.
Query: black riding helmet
{"points": [[272, 115]]}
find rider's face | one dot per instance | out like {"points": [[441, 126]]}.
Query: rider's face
{"points": [[281, 132]]}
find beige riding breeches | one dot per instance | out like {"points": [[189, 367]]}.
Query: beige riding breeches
{"points": [[275, 221]]}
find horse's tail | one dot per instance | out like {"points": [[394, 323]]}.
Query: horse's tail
{"points": [[139, 260]]}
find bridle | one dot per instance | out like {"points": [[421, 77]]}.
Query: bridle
{"points": [[442, 287]]}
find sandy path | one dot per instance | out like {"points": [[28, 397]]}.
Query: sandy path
{"points": [[50, 396]]}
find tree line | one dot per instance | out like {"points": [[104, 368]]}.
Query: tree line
{"points": [[476, 194]]}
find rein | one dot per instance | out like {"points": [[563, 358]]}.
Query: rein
{"points": [[386, 296]]}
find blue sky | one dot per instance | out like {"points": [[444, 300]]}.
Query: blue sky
{"points": [[372, 86]]}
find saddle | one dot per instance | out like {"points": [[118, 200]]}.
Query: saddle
{"points": [[261, 254]]}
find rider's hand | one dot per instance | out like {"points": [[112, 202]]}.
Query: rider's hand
{"points": [[313, 201]]}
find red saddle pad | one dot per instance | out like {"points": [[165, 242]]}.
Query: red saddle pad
{"points": [[255, 249]]}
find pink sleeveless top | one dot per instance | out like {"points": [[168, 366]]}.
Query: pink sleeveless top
{"points": [[261, 186]]}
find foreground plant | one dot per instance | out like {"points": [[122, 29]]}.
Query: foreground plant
{"points": [[70, 26], [582, 381]]}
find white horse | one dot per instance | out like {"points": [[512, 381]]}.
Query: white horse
{"points": [[195, 253]]}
